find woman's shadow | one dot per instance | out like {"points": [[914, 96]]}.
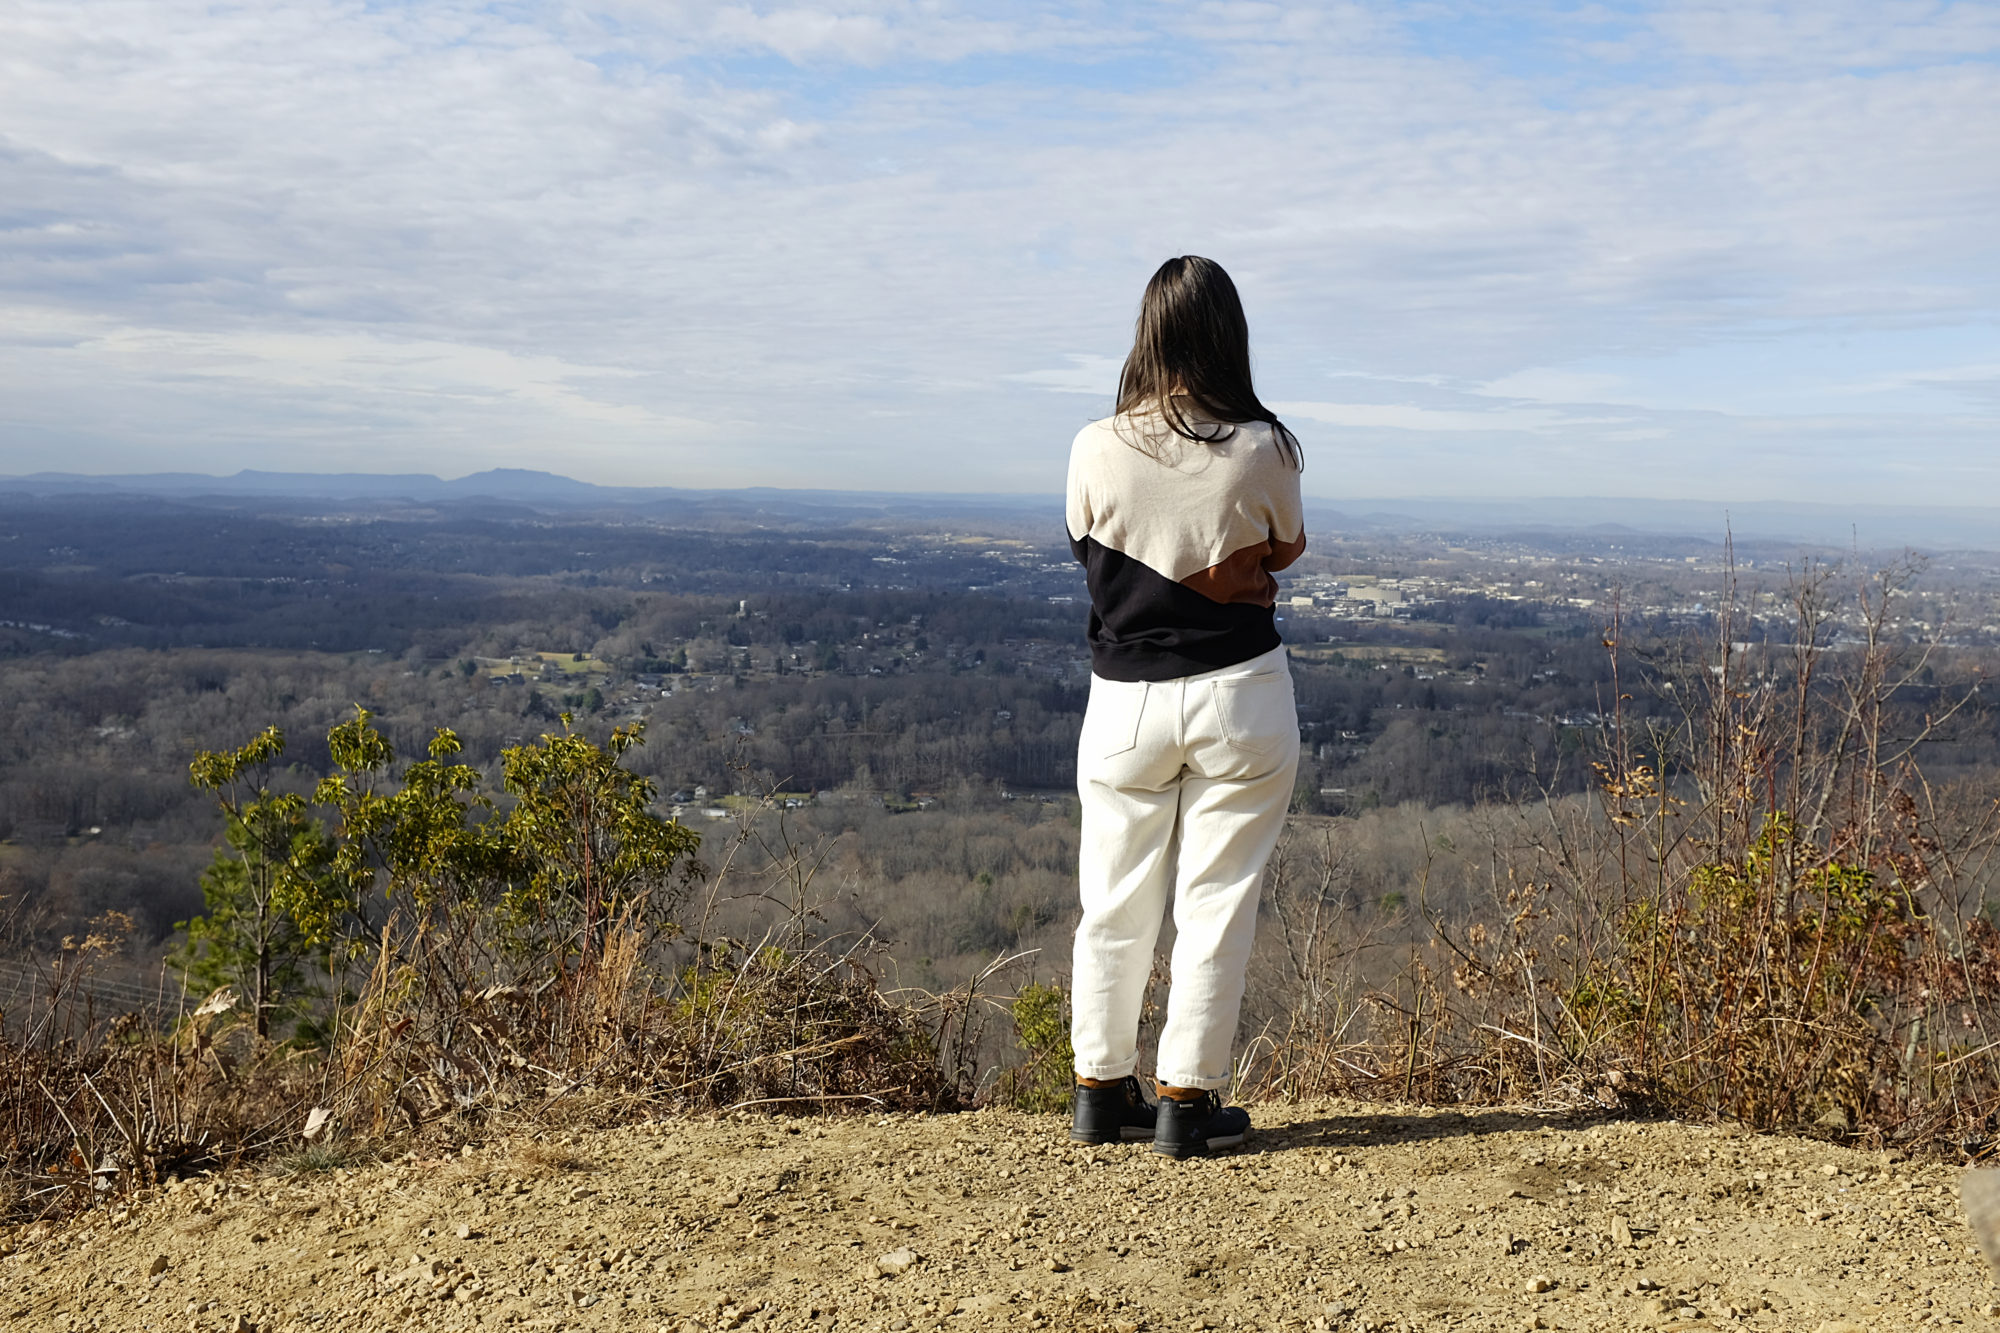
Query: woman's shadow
{"points": [[1367, 1128]]}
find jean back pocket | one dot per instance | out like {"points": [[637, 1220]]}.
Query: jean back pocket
{"points": [[1256, 714], [1111, 719]]}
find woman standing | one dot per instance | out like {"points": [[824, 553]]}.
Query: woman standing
{"points": [[1180, 507]]}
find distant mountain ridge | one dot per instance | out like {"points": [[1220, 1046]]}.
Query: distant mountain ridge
{"points": [[522, 486], [1868, 527], [495, 483]]}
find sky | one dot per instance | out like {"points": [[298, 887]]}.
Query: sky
{"points": [[1680, 250]]}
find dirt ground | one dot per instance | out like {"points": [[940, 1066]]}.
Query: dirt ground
{"points": [[1334, 1216]]}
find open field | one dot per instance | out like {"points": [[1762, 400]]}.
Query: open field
{"points": [[1338, 1216], [569, 664], [1395, 653]]}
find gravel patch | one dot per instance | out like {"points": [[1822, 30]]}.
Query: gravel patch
{"points": [[1334, 1217]]}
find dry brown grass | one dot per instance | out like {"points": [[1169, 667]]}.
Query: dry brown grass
{"points": [[548, 1158], [650, 1021], [92, 1106]]}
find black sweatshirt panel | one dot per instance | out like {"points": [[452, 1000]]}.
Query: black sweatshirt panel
{"points": [[1144, 626]]}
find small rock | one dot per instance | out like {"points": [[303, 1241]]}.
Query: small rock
{"points": [[242, 1324], [1055, 1265], [159, 1265], [896, 1262], [1829, 1170], [1839, 1326], [730, 1200], [1541, 1282], [1621, 1233], [1687, 1312], [464, 1231]]}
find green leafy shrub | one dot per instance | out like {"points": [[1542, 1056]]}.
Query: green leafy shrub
{"points": [[1044, 1080]]}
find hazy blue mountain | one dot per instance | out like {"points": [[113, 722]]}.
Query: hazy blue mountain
{"points": [[499, 483], [1868, 527]]}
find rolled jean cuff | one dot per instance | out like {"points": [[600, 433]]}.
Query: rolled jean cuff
{"points": [[1119, 1070], [1205, 1084]]}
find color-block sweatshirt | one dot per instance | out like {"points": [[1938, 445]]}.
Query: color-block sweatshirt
{"points": [[1178, 540]]}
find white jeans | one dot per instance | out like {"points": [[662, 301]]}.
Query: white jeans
{"points": [[1185, 784]]}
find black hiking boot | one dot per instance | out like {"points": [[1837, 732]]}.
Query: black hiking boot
{"points": [[1117, 1114], [1199, 1127]]}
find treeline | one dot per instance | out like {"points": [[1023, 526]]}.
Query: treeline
{"points": [[102, 739], [301, 541], [79, 574]]}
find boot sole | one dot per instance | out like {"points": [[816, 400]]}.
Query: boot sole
{"points": [[1180, 1152], [1126, 1134]]}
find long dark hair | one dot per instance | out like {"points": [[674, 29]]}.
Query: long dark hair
{"points": [[1190, 359]]}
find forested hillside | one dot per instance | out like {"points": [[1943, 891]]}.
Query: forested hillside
{"points": [[916, 678]]}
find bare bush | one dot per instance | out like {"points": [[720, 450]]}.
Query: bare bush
{"points": [[1767, 914]]}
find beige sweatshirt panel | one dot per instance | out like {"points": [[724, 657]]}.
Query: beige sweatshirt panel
{"points": [[1181, 506]]}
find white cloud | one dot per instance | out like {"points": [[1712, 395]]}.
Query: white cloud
{"points": [[1085, 373], [1545, 384], [871, 34], [658, 240], [1403, 416], [1838, 33]]}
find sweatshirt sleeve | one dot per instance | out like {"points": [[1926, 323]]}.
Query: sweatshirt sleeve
{"points": [[1077, 514], [1288, 514]]}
